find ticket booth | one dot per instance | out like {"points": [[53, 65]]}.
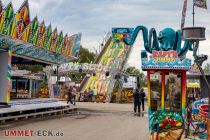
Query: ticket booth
{"points": [[166, 74]]}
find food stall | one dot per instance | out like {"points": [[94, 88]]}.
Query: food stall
{"points": [[24, 84]]}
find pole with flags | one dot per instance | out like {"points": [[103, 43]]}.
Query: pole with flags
{"points": [[197, 3], [200, 4]]}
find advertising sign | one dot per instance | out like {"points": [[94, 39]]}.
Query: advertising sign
{"points": [[164, 60]]}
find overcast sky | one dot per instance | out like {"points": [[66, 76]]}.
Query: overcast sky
{"points": [[95, 17]]}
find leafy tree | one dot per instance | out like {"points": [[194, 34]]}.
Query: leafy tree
{"points": [[85, 56], [207, 68], [138, 73], [32, 68]]}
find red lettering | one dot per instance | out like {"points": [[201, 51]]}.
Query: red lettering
{"points": [[6, 133], [28, 132], [165, 54], [12, 133], [154, 53], [161, 54], [174, 54], [20, 133]]}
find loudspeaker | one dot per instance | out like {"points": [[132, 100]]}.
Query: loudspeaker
{"points": [[80, 70], [54, 72], [107, 73], [125, 80], [117, 76]]}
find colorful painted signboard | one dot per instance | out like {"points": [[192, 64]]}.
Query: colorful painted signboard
{"points": [[74, 42], [198, 123], [120, 33], [164, 60]]}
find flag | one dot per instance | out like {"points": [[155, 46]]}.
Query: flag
{"points": [[184, 10], [201, 3]]}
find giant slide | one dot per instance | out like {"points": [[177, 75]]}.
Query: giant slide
{"points": [[114, 56]]}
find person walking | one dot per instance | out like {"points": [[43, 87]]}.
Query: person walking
{"points": [[74, 92], [142, 96], [90, 95], [136, 96], [95, 92], [69, 96], [85, 94]]}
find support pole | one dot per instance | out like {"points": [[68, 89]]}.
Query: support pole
{"points": [[57, 75], [193, 13]]}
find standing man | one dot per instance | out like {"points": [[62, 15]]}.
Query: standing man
{"points": [[95, 92], [74, 92], [90, 94], [69, 96], [142, 96], [136, 96]]}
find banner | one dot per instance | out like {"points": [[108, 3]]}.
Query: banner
{"points": [[12, 30], [54, 40], [26, 33], [60, 43], [65, 42], [48, 38], [184, 13], [34, 31], [201, 3], [41, 36], [22, 18], [6, 18], [1, 7]]}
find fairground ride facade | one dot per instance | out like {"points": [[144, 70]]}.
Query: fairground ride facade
{"points": [[24, 39]]}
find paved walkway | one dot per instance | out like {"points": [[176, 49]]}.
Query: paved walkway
{"points": [[113, 107], [93, 121]]}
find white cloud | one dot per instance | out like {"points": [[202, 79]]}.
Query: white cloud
{"points": [[93, 17]]}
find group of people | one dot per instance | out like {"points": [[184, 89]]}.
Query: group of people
{"points": [[193, 95], [91, 95], [138, 101]]}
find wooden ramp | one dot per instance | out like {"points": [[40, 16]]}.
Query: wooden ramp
{"points": [[27, 108]]}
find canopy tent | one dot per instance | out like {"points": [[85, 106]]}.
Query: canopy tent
{"points": [[193, 85]]}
